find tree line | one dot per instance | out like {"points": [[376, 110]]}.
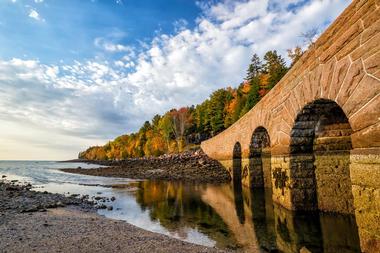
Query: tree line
{"points": [[182, 129]]}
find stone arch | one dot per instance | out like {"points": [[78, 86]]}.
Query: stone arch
{"points": [[259, 159], [237, 162], [319, 158]]}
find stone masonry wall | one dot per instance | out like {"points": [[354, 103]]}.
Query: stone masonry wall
{"points": [[342, 66]]}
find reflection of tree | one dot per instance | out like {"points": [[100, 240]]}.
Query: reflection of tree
{"points": [[177, 206]]}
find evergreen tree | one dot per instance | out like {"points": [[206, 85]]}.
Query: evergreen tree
{"points": [[253, 96], [216, 110], [275, 66], [254, 68]]}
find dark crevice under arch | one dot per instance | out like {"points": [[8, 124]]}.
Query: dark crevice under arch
{"points": [[259, 159], [320, 156]]}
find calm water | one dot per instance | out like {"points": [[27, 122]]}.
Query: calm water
{"points": [[221, 216]]}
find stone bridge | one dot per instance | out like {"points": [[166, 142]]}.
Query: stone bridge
{"points": [[315, 137]]}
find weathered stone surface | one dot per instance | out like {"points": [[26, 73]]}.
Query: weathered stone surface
{"points": [[348, 48], [370, 32], [365, 174], [339, 75], [372, 65], [369, 48], [371, 17], [354, 76], [348, 36], [367, 89], [367, 138], [369, 115], [327, 75]]}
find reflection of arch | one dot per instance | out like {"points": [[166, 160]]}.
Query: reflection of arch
{"points": [[263, 218], [319, 164], [259, 158], [238, 190]]}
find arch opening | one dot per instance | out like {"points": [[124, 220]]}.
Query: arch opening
{"points": [[320, 157], [260, 159], [237, 184]]}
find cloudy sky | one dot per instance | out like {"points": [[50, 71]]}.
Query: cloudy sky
{"points": [[78, 73]]}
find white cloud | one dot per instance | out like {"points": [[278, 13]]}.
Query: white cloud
{"points": [[38, 1], [110, 46], [35, 15], [97, 100]]}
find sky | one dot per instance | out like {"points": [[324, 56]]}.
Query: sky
{"points": [[77, 73]]}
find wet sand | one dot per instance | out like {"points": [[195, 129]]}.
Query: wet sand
{"points": [[44, 222], [71, 230]]}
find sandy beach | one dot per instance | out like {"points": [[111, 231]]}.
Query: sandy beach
{"points": [[43, 222]]}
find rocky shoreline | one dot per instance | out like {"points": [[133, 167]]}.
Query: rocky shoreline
{"points": [[20, 198], [32, 221], [191, 166]]}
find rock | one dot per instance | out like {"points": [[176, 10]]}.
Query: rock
{"points": [[101, 206], [113, 198], [60, 204], [4, 176], [304, 250], [110, 208]]}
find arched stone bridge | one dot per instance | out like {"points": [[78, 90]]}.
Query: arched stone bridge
{"points": [[314, 139]]}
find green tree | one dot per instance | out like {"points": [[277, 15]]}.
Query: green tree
{"points": [[275, 66], [216, 110], [253, 95], [254, 68], [166, 127]]}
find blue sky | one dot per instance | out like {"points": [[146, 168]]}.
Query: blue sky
{"points": [[66, 30], [76, 73]]}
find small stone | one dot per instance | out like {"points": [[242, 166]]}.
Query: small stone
{"points": [[60, 204], [110, 208], [101, 206]]}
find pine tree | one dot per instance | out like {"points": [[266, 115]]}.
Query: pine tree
{"points": [[253, 96], [254, 67], [275, 66]]}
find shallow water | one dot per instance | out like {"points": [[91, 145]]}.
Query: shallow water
{"points": [[221, 216]]}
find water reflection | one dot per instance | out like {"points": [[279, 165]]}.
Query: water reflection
{"points": [[224, 216], [177, 206], [237, 217]]}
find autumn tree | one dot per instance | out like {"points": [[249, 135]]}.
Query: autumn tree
{"points": [[295, 54], [181, 120], [165, 125]]}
